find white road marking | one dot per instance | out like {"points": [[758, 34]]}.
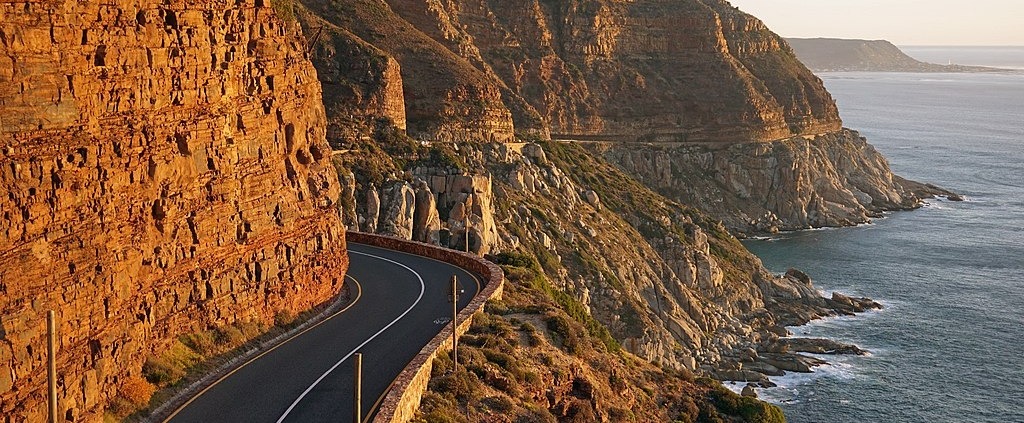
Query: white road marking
{"points": [[335, 366]]}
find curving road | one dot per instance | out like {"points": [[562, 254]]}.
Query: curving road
{"points": [[402, 304]]}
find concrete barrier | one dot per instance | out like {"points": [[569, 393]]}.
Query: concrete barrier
{"points": [[403, 398]]}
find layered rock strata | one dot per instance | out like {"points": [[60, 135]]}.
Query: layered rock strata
{"points": [[164, 168], [444, 97], [695, 70]]}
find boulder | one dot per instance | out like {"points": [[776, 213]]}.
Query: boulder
{"points": [[748, 391], [426, 221], [592, 198], [397, 209], [372, 215]]}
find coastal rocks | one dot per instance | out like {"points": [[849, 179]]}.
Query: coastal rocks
{"points": [[164, 170], [748, 391], [829, 180], [792, 362], [813, 346], [851, 305]]}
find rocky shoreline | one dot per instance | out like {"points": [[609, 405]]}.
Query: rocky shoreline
{"points": [[783, 353]]}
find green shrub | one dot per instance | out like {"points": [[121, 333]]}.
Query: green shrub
{"points": [[749, 409], [230, 336], [284, 9], [503, 360], [560, 327], [515, 259], [161, 372], [500, 404], [202, 342], [284, 318]]}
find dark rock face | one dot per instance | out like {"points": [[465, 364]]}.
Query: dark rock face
{"points": [[164, 169]]}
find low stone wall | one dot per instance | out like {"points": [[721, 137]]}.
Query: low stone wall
{"points": [[403, 399]]}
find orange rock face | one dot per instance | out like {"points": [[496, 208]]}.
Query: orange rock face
{"points": [[656, 70], [163, 168]]}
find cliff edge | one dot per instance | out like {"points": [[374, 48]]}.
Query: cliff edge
{"points": [[164, 169]]}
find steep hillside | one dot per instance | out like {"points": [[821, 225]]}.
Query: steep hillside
{"points": [[165, 170], [664, 70], [626, 233], [694, 78], [529, 360]]}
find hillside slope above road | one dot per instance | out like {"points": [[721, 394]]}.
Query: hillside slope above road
{"points": [[402, 303]]}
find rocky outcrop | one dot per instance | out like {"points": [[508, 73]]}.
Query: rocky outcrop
{"points": [[164, 169], [362, 85], [426, 222], [841, 55], [397, 209], [445, 98], [412, 208], [755, 187]]}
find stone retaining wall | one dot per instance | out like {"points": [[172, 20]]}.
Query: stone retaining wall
{"points": [[403, 399]]}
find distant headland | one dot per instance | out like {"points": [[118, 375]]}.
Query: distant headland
{"points": [[834, 54]]}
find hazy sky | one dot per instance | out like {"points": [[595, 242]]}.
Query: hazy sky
{"points": [[904, 22]]}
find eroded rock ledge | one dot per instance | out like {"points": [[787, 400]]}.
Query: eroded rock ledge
{"points": [[828, 180]]}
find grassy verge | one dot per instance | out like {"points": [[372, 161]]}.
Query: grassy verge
{"points": [[195, 355]]}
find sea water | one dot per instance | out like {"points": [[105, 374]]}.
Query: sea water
{"points": [[949, 344]]}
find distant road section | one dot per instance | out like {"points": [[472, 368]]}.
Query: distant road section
{"points": [[841, 55], [402, 304]]}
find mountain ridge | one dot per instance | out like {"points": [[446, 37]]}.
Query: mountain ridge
{"points": [[847, 55]]}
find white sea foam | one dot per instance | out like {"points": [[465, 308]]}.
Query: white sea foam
{"points": [[791, 385]]}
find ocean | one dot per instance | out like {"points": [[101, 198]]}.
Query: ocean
{"points": [[949, 345]]}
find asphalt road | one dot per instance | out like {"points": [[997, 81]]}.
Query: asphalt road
{"points": [[402, 304]]}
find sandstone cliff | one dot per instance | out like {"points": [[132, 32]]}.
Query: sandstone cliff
{"points": [[164, 168], [697, 70]]}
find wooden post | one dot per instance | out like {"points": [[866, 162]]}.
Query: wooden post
{"points": [[455, 323], [51, 364], [359, 388], [466, 225]]}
